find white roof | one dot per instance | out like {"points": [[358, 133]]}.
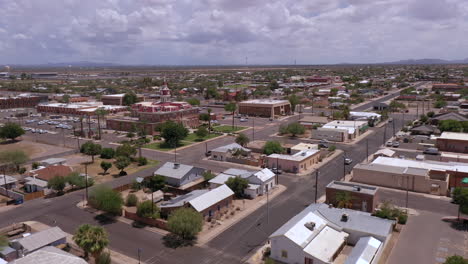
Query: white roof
{"points": [[9, 180], [326, 244], [454, 136], [229, 147], [210, 198], [365, 114], [303, 146], [265, 101], [35, 181], [114, 95], [387, 152], [221, 178], [300, 234], [426, 164], [49, 255], [299, 156], [264, 175], [364, 251]]}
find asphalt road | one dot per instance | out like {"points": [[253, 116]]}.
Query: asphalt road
{"points": [[233, 245]]}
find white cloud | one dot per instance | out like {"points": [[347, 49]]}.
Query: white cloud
{"points": [[226, 31]]}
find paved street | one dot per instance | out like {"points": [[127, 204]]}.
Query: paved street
{"points": [[236, 243]]}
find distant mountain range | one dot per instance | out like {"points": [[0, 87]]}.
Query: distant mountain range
{"points": [[427, 61]]}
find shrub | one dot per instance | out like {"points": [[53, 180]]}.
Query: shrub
{"points": [[142, 161], [107, 153], [136, 186], [130, 134], [402, 218], [185, 223], [106, 199], [35, 165], [132, 200], [332, 148], [22, 170], [148, 209]]}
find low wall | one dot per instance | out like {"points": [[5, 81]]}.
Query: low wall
{"points": [[12, 194], [159, 223], [34, 195], [255, 163]]}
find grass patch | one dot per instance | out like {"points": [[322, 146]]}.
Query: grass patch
{"points": [[228, 129], [193, 137], [162, 147]]}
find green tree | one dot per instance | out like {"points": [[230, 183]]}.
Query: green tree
{"points": [[440, 104], [283, 129], [131, 200], [273, 85], [121, 162], [237, 185], [450, 125], [104, 198], [13, 157], [66, 98], [155, 183], [231, 107], [92, 239], [91, 149], [57, 183], [185, 223], [100, 113], [294, 101], [208, 175], [242, 139], [344, 199], [296, 129], [129, 98], [271, 147], [11, 131], [333, 91], [147, 209], [35, 165], [173, 132], [430, 114], [193, 101], [211, 92], [456, 260], [201, 132], [125, 150], [105, 166], [107, 153], [423, 118], [104, 258]]}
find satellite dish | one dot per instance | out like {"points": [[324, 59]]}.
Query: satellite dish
{"points": [[139, 179]]}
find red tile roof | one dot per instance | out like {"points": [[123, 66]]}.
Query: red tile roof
{"points": [[49, 172]]}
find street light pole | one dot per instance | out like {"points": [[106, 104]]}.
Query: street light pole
{"points": [[367, 149], [86, 182], [316, 184], [139, 258]]}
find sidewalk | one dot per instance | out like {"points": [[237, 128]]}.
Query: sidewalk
{"points": [[316, 166], [207, 235], [117, 258]]}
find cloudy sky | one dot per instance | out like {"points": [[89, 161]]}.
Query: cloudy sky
{"points": [[176, 32]]}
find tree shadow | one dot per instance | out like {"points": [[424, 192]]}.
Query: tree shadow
{"points": [[9, 141], [175, 241], [105, 219]]}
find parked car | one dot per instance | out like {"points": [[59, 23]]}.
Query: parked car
{"points": [[389, 144], [208, 153], [431, 151], [348, 161], [323, 145], [243, 120], [396, 144], [277, 171]]}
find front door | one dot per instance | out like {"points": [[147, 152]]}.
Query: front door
{"points": [[308, 261]]}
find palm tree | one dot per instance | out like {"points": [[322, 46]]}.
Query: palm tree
{"points": [[344, 199], [92, 239], [100, 112], [231, 107]]}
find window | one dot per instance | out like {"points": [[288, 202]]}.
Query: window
{"points": [[284, 254], [308, 261]]}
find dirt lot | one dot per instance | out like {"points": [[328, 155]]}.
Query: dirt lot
{"points": [[33, 149], [77, 162]]}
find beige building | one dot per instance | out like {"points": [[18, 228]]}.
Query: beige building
{"points": [[296, 163], [265, 107], [412, 175]]}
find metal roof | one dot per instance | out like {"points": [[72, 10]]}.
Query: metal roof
{"points": [[221, 178], [210, 198], [454, 136], [364, 251], [171, 171], [264, 175], [35, 181], [239, 172], [49, 255], [299, 156], [183, 199], [325, 245], [230, 147], [41, 239], [9, 179]]}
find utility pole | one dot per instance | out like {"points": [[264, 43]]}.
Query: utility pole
{"points": [[385, 133], [277, 175], [253, 128], [175, 152], [344, 166], [367, 149], [407, 193], [139, 258], [417, 110], [4, 179], [268, 207], [86, 181], [206, 147], [394, 127], [316, 184]]}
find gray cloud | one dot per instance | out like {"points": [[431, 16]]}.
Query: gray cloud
{"points": [[226, 31]]}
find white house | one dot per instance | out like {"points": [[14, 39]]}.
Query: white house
{"points": [[318, 234], [260, 182], [224, 152]]}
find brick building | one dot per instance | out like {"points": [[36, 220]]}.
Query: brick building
{"points": [[265, 107], [20, 101], [447, 87], [117, 99], [363, 197], [77, 108], [453, 142]]}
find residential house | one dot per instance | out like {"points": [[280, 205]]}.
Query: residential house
{"points": [[312, 121], [228, 151], [209, 203], [53, 236], [7, 181], [385, 152], [33, 184], [47, 173], [365, 116], [380, 106], [303, 146], [296, 163], [177, 174], [340, 130], [53, 161], [49, 255], [447, 116], [424, 130], [363, 197], [318, 234], [260, 182]]}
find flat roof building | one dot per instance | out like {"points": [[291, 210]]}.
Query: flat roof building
{"points": [[265, 107], [364, 196], [453, 142]]}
